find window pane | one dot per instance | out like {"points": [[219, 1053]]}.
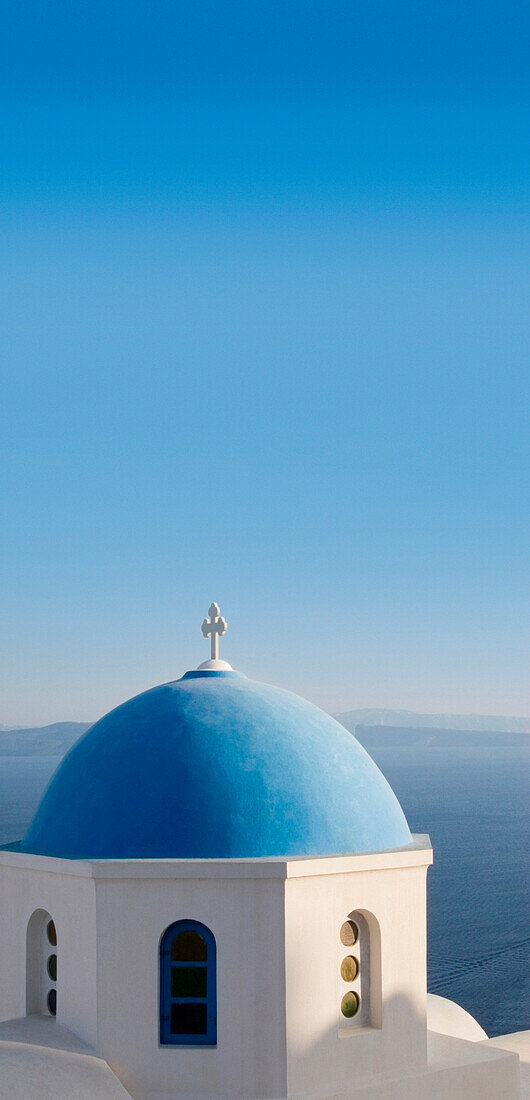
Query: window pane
{"points": [[349, 933], [349, 1004], [349, 968], [188, 1019], [51, 933], [52, 967], [188, 947], [188, 981], [52, 1002]]}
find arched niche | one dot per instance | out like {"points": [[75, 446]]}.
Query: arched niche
{"points": [[360, 971], [41, 964]]}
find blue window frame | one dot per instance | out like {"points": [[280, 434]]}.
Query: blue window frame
{"points": [[188, 995]]}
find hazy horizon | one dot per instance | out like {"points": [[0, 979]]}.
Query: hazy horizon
{"points": [[478, 721]]}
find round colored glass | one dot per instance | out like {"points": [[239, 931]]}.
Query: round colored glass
{"points": [[349, 1005], [349, 968], [349, 933]]}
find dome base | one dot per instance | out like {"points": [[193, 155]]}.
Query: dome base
{"points": [[216, 666]]}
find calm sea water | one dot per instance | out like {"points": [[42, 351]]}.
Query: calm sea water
{"points": [[474, 804]]}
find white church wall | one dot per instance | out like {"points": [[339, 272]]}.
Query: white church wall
{"points": [[456, 1070], [14, 917], [64, 890], [277, 925], [246, 916], [325, 1053]]}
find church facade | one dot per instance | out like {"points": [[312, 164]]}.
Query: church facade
{"points": [[219, 897]]}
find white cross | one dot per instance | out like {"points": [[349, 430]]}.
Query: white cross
{"points": [[214, 627]]}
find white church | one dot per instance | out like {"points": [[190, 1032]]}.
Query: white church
{"points": [[219, 898]]}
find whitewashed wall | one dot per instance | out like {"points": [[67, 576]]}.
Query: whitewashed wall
{"points": [[276, 924], [246, 916], [325, 1052], [68, 892]]}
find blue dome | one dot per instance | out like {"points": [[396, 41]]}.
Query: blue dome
{"points": [[216, 766]]}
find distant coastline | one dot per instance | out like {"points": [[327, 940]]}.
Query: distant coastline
{"points": [[373, 728], [408, 719], [53, 740], [404, 729], [395, 737]]}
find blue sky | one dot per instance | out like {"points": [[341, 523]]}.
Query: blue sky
{"points": [[265, 285]]}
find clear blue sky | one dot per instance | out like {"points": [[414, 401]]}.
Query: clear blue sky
{"points": [[265, 297]]}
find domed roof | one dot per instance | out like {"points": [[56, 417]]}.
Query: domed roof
{"points": [[216, 766]]}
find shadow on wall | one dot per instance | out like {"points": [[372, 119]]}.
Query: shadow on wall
{"points": [[331, 1064], [367, 1037], [329, 1060]]}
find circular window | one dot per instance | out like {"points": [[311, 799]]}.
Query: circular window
{"points": [[51, 933], [52, 967], [349, 1005], [349, 933], [349, 968], [51, 1001]]}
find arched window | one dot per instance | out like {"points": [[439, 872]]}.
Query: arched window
{"points": [[360, 971], [188, 1001], [41, 964]]}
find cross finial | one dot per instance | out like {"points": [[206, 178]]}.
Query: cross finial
{"points": [[214, 628]]}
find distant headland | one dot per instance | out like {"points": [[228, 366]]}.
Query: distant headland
{"points": [[374, 728]]}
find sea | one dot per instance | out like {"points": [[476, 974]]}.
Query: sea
{"points": [[474, 803]]}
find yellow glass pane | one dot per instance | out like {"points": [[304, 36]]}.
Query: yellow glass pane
{"points": [[349, 968], [188, 947]]}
